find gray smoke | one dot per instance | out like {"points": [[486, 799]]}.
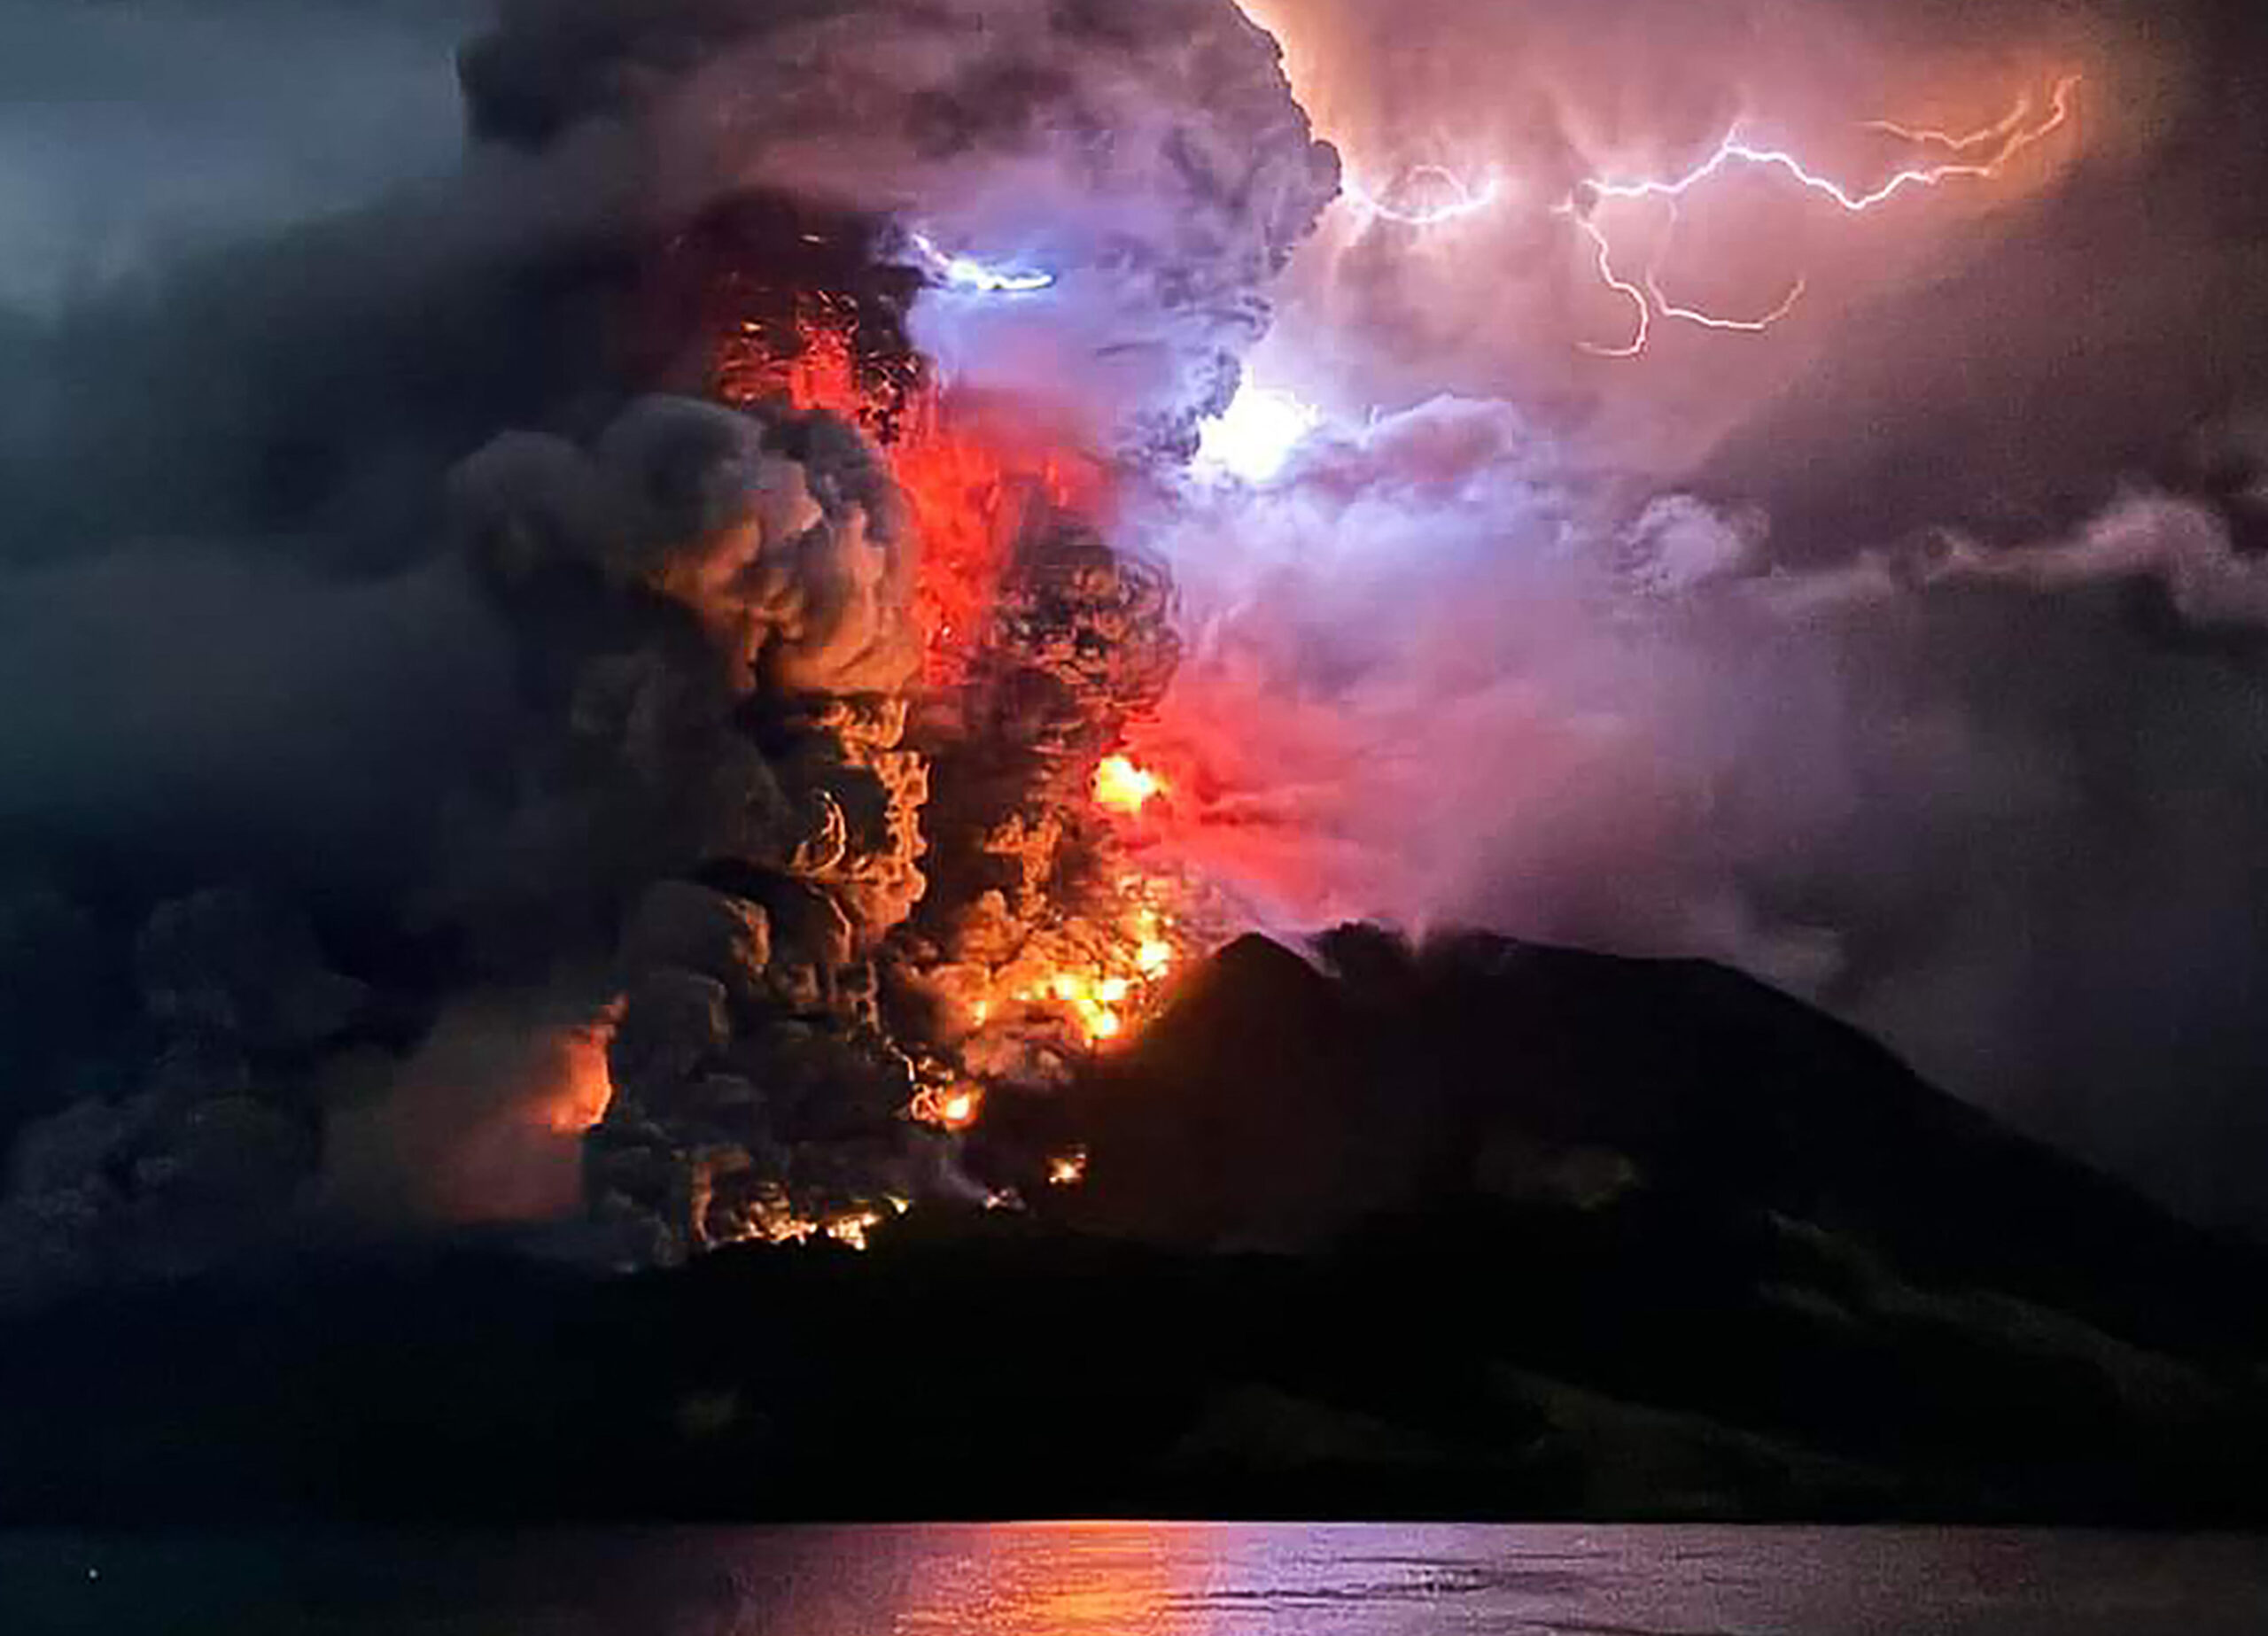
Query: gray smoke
{"points": [[425, 738], [1907, 656]]}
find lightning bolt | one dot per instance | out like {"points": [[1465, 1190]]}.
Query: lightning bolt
{"points": [[2013, 133], [960, 272], [1635, 294], [1925, 137], [1647, 298], [1465, 200]]}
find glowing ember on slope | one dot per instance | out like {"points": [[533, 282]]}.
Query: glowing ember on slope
{"points": [[1086, 980], [1109, 991], [769, 1218], [948, 1108], [1123, 785], [851, 1230]]}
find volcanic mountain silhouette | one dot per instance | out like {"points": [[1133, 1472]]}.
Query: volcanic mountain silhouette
{"points": [[1474, 1229]]}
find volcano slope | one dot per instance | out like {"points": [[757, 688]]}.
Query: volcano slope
{"points": [[1483, 1229]]}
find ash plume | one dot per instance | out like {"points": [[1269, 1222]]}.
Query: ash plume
{"points": [[442, 624], [484, 1122], [456, 773], [1147, 158], [1904, 654]]}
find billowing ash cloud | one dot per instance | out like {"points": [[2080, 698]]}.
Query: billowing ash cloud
{"points": [[143, 129], [401, 671], [484, 1123], [1146, 160], [526, 868], [430, 732], [1907, 655], [1994, 802]]}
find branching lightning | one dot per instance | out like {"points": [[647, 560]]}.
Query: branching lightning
{"points": [[1923, 136], [1634, 293], [1976, 155], [2006, 138], [1462, 199], [1648, 299], [2014, 136]]}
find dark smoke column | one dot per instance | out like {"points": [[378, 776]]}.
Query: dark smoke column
{"points": [[1150, 155], [620, 916], [794, 165]]}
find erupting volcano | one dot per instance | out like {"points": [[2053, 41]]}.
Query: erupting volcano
{"points": [[947, 642], [916, 525], [1296, 731], [1039, 935]]}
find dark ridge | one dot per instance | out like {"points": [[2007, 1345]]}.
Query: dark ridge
{"points": [[1479, 1230]]}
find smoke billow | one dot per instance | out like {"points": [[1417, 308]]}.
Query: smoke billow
{"points": [[484, 1123], [430, 731], [1147, 159], [1905, 655], [448, 773]]}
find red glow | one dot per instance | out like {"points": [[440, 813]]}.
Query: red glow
{"points": [[1260, 806], [1125, 786], [972, 477], [973, 485]]}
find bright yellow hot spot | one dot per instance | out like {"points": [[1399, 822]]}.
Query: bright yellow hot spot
{"points": [[1124, 787], [852, 1229], [948, 1108]]}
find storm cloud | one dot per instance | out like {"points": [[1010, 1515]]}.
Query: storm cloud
{"points": [[1909, 655]]}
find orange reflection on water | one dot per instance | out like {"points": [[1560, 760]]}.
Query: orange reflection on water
{"points": [[1064, 1579]]}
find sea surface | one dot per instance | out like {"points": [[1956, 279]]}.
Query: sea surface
{"points": [[1138, 1580]]}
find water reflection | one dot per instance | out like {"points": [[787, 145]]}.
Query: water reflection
{"points": [[1073, 1579], [1168, 1579], [1139, 1579]]}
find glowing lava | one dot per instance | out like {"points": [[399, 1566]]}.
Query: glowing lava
{"points": [[949, 1108], [1122, 785], [1104, 994], [971, 480], [1086, 982]]}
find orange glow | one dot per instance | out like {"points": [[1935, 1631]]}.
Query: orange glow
{"points": [[1124, 787], [948, 1108], [1092, 1000], [971, 492], [852, 1230], [1068, 1169], [1107, 981], [971, 482], [773, 1220]]}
